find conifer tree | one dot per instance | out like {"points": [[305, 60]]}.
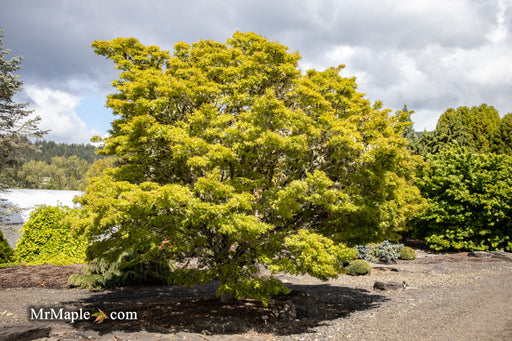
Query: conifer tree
{"points": [[502, 143], [16, 123]]}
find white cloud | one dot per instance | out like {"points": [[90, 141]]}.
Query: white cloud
{"points": [[430, 55], [57, 111], [434, 76]]}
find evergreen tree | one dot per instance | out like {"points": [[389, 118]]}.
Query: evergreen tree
{"points": [[502, 143], [409, 134], [6, 251], [47, 150], [16, 123], [472, 128]]}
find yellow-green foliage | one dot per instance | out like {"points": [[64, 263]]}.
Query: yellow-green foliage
{"points": [[406, 253], [6, 251], [230, 155], [359, 267], [47, 238]]}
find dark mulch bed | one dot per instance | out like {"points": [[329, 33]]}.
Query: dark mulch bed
{"points": [[176, 308], [46, 275]]}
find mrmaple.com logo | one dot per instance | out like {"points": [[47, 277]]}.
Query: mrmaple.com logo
{"points": [[61, 314]]}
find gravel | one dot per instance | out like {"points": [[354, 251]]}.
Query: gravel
{"points": [[449, 297]]}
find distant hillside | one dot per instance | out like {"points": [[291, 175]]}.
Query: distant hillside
{"points": [[50, 149]]}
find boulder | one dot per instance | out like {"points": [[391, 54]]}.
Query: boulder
{"points": [[391, 285], [507, 256], [479, 254]]}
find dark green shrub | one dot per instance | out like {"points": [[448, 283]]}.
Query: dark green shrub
{"points": [[384, 252], [406, 253], [470, 201], [6, 251], [47, 238], [129, 269], [359, 267]]}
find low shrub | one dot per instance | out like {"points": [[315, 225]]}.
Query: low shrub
{"points": [[359, 267], [47, 238], [6, 251], [384, 252], [9, 265], [406, 253], [129, 269]]}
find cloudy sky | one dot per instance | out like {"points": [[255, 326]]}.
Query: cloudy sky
{"points": [[430, 55]]}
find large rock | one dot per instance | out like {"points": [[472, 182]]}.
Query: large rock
{"points": [[479, 254], [502, 255], [391, 285], [23, 332], [506, 256]]}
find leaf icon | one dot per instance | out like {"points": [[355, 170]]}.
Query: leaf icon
{"points": [[100, 316]]}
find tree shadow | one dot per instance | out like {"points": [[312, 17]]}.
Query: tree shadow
{"points": [[179, 309]]}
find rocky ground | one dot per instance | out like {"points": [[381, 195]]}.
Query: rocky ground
{"points": [[448, 297]]}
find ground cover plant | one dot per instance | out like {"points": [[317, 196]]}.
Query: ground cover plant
{"points": [[229, 156]]}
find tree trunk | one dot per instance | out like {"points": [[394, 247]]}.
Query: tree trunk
{"points": [[227, 298]]}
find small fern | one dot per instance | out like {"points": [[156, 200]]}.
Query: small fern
{"points": [[129, 269]]}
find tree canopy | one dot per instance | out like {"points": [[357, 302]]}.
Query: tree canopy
{"points": [[502, 143], [62, 173], [230, 156], [474, 128]]}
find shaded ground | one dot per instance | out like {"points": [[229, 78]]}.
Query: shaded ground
{"points": [[450, 289], [178, 308]]}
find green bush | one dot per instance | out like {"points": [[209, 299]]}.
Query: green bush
{"points": [[129, 269], [359, 267], [384, 252], [6, 251], [47, 238], [9, 265], [406, 253], [470, 201]]}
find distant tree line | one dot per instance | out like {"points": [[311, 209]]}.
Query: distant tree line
{"points": [[47, 150], [51, 165]]}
